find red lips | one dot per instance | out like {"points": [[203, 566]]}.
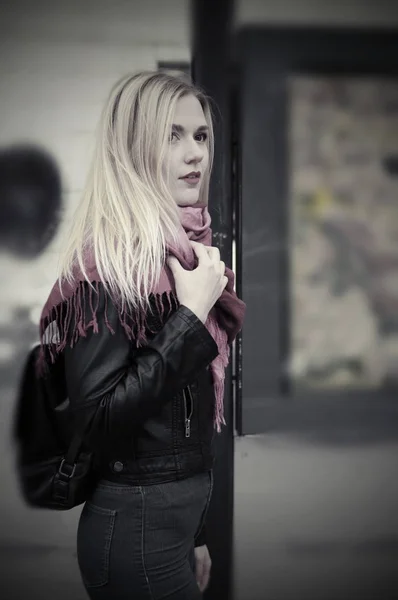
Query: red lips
{"points": [[195, 174]]}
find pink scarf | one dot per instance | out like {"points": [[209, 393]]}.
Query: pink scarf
{"points": [[224, 321]]}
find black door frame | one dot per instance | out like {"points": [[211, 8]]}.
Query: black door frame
{"points": [[211, 31], [267, 56]]}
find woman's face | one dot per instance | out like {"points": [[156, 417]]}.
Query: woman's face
{"points": [[188, 155]]}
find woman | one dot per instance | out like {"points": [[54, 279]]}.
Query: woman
{"points": [[145, 311]]}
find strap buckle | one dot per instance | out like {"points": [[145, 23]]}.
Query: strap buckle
{"points": [[67, 474]]}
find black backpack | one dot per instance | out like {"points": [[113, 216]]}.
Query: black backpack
{"points": [[54, 469]]}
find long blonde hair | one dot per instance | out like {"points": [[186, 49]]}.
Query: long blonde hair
{"points": [[127, 214]]}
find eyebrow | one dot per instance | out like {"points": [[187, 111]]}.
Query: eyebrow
{"points": [[180, 129]]}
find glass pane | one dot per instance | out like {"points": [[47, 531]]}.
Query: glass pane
{"points": [[344, 232]]}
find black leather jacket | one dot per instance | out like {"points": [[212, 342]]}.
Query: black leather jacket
{"points": [[147, 413]]}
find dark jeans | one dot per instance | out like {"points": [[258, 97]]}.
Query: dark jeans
{"points": [[137, 542]]}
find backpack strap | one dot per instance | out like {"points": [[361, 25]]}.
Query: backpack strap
{"points": [[67, 467], [63, 480], [68, 464]]}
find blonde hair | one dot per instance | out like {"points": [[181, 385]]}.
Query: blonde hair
{"points": [[127, 214]]}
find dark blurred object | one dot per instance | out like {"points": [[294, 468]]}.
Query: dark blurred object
{"points": [[30, 200], [390, 164], [54, 469]]}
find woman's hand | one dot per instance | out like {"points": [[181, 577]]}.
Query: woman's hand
{"points": [[200, 289], [202, 567]]}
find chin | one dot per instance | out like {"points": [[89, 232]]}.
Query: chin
{"points": [[187, 199]]}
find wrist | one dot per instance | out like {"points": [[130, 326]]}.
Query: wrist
{"points": [[200, 314]]}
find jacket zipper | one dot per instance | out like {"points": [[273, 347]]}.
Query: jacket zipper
{"points": [[188, 417]]}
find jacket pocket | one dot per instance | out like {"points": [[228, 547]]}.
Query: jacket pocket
{"points": [[94, 538]]}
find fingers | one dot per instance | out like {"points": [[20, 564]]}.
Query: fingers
{"points": [[199, 570], [211, 251], [174, 264], [204, 254], [205, 575], [202, 572], [214, 252], [201, 252]]}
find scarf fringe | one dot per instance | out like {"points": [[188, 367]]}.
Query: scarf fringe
{"points": [[218, 367], [57, 329], [219, 405]]}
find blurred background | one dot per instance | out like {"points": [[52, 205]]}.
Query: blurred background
{"points": [[309, 101]]}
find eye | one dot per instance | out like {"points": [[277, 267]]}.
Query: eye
{"points": [[173, 136], [203, 137]]}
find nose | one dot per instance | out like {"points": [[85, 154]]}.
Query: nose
{"points": [[194, 152]]}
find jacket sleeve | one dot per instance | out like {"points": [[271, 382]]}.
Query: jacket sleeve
{"points": [[115, 387]]}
